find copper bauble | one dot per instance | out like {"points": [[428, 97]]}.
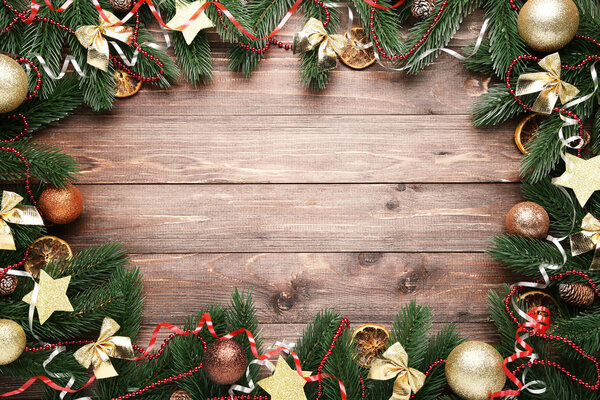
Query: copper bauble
{"points": [[225, 361], [548, 25], [528, 219], [61, 206], [13, 84], [12, 341], [474, 371]]}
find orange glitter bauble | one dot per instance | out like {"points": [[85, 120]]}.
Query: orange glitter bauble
{"points": [[61, 206]]}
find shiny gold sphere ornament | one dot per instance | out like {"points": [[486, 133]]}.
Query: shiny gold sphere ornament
{"points": [[61, 206], [528, 219], [12, 341], [548, 25], [13, 84], [474, 371], [225, 361]]}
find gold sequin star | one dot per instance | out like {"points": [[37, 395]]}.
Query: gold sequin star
{"points": [[183, 13], [583, 176], [285, 383], [52, 296]]}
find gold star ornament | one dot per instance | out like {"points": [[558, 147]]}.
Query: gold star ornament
{"points": [[285, 383], [51, 297], [183, 13], [583, 176]]}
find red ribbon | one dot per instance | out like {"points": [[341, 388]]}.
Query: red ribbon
{"points": [[48, 382], [206, 320], [35, 7], [539, 324]]}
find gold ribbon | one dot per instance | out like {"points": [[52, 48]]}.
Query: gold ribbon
{"points": [[548, 83], [395, 365], [330, 46], [11, 213], [587, 240], [98, 354], [93, 38]]}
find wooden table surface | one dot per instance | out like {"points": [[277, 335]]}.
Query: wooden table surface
{"points": [[360, 198]]}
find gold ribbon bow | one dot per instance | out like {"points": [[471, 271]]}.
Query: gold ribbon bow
{"points": [[548, 83], [93, 38], [98, 354], [587, 240], [10, 212], [395, 365], [330, 46]]}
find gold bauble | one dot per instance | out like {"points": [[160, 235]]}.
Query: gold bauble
{"points": [[548, 25], [12, 341], [13, 84], [474, 371]]}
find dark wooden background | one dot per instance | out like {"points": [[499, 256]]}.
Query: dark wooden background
{"points": [[372, 193]]}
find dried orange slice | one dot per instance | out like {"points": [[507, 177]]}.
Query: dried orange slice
{"points": [[526, 130], [370, 341], [126, 84], [44, 250], [537, 298], [355, 55]]}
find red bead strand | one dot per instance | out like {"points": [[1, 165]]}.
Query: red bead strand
{"points": [[565, 340], [59, 344]]}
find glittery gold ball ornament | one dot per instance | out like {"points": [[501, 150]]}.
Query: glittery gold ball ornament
{"points": [[61, 206], [13, 84], [474, 371], [528, 219], [12, 341], [225, 362], [548, 25]]}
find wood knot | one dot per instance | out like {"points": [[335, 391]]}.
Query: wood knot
{"points": [[476, 86], [409, 284], [284, 301], [392, 204], [401, 187], [369, 258]]}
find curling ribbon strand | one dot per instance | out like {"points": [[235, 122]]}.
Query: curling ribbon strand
{"points": [[206, 320]]}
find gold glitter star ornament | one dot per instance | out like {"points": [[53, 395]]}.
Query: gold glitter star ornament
{"points": [[583, 176], [51, 296], [285, 383], [183, 13]]}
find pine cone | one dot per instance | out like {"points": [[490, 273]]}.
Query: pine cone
{"points": [[121, 6], [180, 395], [422, 8], [577, 294], [8, 284]]}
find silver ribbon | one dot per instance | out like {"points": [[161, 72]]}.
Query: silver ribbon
{"points": [[57, 350], [251, 385]]}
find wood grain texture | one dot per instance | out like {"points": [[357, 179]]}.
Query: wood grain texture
{"points": [[287, 149], [293, 218]]}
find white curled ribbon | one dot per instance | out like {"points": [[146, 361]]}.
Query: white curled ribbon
{"points": [[453, 53], [57, 350], [568, 142], [544, 268], [288, 346], [70, 60]]}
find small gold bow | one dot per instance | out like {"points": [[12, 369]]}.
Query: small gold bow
{"points": [[93, 38], [10, 212], [330, 46], [395, 364], [98, 354], [587, 240], [548, 83]]}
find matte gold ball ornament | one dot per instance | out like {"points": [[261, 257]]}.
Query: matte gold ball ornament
{"points": [[548, 25], [474, 370], [225, 361], [13, 84], [528, 219], [12, 341]]}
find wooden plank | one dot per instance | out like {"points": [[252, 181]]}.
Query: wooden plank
{"points": [[294, 287], [291, 149], [293, 218]]}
